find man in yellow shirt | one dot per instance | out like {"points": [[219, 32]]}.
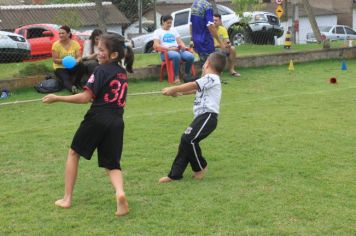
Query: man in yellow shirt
{"points": [[229, 50]]}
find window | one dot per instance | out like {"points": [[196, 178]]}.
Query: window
{"points": [[35, 33], [340, 30], [326, 29], [22, 32], [350, 31], [181, 18]]}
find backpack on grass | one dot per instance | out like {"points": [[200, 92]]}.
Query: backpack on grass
{"points": [[49, 85]]}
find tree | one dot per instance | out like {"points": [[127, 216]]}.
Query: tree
{"points": [[100, 15], [130, 9], [247, 5]]}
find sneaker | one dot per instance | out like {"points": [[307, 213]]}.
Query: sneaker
{"points": [[75, 89]]}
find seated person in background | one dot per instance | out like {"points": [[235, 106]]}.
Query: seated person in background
{"points": [[229, 50], [90, 51], [63, 47], [167, 38]]}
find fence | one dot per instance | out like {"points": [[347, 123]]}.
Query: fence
{"points": [[37, 24]]}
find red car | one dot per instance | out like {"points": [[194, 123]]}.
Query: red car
{"points": [[42, 36]]}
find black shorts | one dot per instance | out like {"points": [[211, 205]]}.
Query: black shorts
{"points": [[104, 131]]}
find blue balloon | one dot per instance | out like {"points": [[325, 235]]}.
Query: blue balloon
{"points": [[69, 62]]}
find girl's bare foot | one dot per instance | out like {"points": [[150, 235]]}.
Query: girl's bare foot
{"points": [[165, 179], [122, 206], [63, 203], [199, 175]]}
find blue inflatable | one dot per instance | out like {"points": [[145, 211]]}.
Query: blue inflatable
{"points": [[69, 62]]}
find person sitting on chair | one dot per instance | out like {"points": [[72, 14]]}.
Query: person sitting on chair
{"points": [[229, 50], [168, 39]]}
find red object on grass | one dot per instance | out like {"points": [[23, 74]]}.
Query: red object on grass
{"points": [[333, 80]]}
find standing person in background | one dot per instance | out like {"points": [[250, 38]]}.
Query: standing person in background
{"points": [[63, 47], [229, 50], [90, 52], [203, 31]]}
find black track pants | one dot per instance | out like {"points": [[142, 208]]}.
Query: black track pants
{"points": [[189, 150]]}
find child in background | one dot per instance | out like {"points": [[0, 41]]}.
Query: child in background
{"points": [[90, 51], [103, 125], [206, 109]]}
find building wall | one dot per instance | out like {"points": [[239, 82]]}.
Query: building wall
{"points": [[305, 27]]}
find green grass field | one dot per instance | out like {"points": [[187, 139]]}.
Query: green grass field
{"points": [[281, 162], [42, 67]]}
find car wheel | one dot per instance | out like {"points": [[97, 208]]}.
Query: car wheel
{"points": [[239, 35], [149, 48]]}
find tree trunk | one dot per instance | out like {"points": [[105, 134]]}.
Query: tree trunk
{"points": [[312, 20], [100, 14]]}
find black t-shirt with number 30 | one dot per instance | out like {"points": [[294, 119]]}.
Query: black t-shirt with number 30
{"points": [[108, 85]]}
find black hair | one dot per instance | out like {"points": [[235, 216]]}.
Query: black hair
{"points": [[164, 18], [94, 34], [217, 61], [66, 28], [116, 43], [217, 15]]}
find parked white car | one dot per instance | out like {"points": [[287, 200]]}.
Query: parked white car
{"points": [[181, 21], [263, 27], [333, 33], [13, 47], [260, 27]]}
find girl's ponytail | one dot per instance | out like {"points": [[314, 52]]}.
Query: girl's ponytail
{"points": [[129, 59], [116, 43]]}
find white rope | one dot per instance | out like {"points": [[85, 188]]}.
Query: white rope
{"points": [[145, 93], [18, 102], [39, 99]]}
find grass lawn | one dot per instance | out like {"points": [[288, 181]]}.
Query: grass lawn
{"points": [[10, 70], [281, 162]]}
